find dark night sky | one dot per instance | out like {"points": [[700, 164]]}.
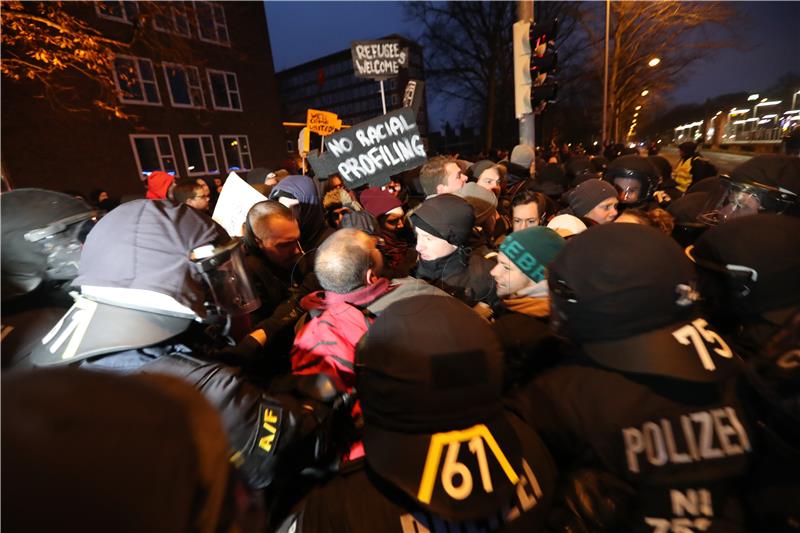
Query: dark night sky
{"points": [[302, 31]]}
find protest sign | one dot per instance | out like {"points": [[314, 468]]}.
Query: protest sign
{"points": [[412, 96], [378, 60], [235, 200], [323, 122], [372, 151]]}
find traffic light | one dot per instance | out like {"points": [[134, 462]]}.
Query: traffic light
{"points": [[544, 62], [535, 60]]}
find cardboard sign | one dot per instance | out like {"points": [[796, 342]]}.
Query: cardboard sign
{"points": [[378, 60], [323, 122], [372, 151], [412, 96], [235, 200]]}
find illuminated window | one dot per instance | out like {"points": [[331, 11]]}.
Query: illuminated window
{"points": [[199, 154], [183, 83], [236, 149], [224, 90], [153, 152], [211, 25], [120, 11], [136, 80], [172, 19]]}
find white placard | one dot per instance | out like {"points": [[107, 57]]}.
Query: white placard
{"points": [[235, 200]]}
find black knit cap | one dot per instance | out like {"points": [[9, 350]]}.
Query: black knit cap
{"points": [[445, 216], [415, 396], [756, 259], [617, 280]]}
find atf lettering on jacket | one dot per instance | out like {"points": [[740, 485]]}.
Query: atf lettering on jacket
{"points": [[268, 430], [528, 494], [692, 438]]}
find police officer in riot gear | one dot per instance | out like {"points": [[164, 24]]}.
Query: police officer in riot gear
{"points": [[161, 286], [441, 453], [42, 236], [635, 177], [763, 184], [749, 272], [648, 392]]}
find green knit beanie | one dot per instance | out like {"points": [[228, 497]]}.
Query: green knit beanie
{"points": [[531, 249]]}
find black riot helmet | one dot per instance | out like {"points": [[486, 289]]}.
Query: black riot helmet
{"points": [[763, 184], [634, 312], [42, 236], [148, 270], [636, 178]]}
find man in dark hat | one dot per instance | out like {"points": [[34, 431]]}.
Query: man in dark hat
{"points": [[593, 201], [443, 225], [441, 452], [648, 393]]}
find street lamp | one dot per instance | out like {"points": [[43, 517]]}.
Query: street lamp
{"points": [[637, 108], [752, 97], [635, 115], [653, 62], [645, 92]]}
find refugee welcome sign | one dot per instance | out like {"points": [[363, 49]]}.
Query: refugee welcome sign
{"points": [[372, 151], [378, 60]]}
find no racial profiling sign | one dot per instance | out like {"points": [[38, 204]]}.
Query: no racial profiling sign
{"points": [[378, 60], [372, 151]]}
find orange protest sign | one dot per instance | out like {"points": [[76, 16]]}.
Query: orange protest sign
{"points": [[323, 122]]}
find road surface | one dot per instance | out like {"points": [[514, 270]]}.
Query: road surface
{"points": [[723, 161]]}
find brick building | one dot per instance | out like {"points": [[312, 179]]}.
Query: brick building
{"points": [[202, 108]]}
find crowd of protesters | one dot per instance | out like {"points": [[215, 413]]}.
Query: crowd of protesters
{"points": [[552, 340]]}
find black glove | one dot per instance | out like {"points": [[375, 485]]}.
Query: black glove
{"points": [[591, 500]]}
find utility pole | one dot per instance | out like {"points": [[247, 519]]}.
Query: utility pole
{"points": [[527, 131], [603, 135]]}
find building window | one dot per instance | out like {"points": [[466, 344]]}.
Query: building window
{"points": [[136, 80], [183, 83], [199, 154], [211, 25], [172, 19], [236, 150], [153, 152], [120, 11], [394, 99], [224, 90]]}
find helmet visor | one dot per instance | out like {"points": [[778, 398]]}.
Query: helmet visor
{"points": [[734, 199], [229, 282], [630, 190]]}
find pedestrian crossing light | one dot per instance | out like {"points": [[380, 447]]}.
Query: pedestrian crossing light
{"points": [[535, 62]]}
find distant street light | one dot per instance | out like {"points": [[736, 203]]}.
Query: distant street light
{"points": [[635, 115], [645, 92], [653, 62], [637, 108], [752, 97]]}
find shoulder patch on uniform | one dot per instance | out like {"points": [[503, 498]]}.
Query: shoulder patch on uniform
{"points": [[268, 429]]}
